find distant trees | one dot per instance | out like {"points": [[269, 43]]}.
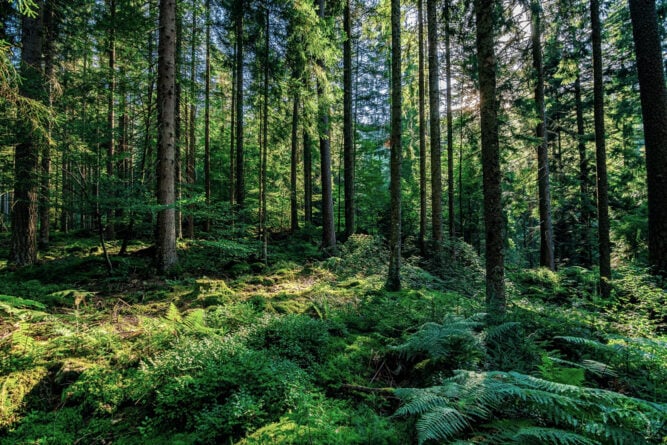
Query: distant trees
{"points": [[250, 107]]}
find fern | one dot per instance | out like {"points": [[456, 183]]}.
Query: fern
{"points": [[551, 435], [565, 414]]}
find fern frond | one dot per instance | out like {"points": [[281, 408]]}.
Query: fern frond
{"points": [[552, 436], [500, 330], [441, 423], [173, 313]]}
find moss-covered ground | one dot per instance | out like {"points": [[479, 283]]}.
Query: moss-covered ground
{"points": [[304, 350]]}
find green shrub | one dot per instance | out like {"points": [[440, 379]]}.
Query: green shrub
{"points": [[218, 386], [299, 338]]}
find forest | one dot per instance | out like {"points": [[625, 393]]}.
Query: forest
{"points": [[333, 222]]}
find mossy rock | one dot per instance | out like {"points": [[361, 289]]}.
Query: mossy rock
{"points": [[15, 389]]}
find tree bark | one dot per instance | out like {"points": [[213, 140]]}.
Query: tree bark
{"points": [[348, 125], [450, 125], [434, 110], [328, 230], [111, 116], [207, 116], [294, 210], [190, 166], [166, 256], [240, 174], [585, 201], [307, 174], [654, 111], [604, 244], [50, 33], [23, 248], [544, 191], [394, 274], [265, 143], [493, 214], [422, 130]]}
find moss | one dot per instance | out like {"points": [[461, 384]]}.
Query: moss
{"points": [[15, 389]]}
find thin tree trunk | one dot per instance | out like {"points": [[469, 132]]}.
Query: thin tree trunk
{"points": [[23, 250], [450, 130], [394, 274], [111, 117], [585, 201], [307, 174], [493, 214], [265, 139], [422, 130], [232, 136], [49, 75], [604, 245], [294, 213], [654, 111], [207, 117], [544, 192], [166, 256], [240, 174], [192, 144], [348, 124], [434, 110]]}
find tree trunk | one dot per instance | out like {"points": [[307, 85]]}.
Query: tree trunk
{"points": [[294, 211], [265, 144], [166, 256], [307, 174], [348, 124], [450, 129], [422, 130], [192, 121], [49, 75], [23, 250], [544, 191], [207, 116], [434, 110], [394, 274], [604, 245], [328, 230], [493, 213], [232, 136], [240, 174], [654, 111], [111, 116], [585, 201]]}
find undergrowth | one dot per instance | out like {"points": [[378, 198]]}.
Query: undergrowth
{"points": [[309, 350]]}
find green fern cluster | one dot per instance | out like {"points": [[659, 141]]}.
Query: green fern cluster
{"points": [[509, 407]]}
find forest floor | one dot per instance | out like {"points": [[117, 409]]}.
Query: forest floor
{"points": [[314, 351]]}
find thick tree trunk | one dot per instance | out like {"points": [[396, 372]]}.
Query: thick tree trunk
{"points": [[394, 274], [450, 125], [422, 130], [544, 191], [604, 244], [166, 256], [328, 230], [348, 124], [434, 110], [654, 111], [493, 212], [23, 250]]}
